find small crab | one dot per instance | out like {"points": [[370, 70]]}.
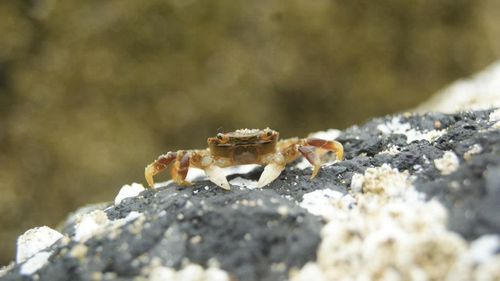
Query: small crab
{"points": [[245, 146]]}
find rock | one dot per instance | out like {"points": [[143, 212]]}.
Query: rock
{"points": [[34, 241], [128, 191], [417, 197], [482, 91]]}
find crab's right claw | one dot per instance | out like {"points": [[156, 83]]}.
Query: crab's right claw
{"points": [[216, 175], [157, 166]]}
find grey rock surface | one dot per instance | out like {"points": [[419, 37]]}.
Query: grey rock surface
{"points": [[263, 234]]}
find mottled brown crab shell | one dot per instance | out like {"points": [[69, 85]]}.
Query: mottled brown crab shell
{"points": [[246, 146]]}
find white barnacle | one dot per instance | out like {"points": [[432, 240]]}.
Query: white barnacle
{"points": [[448, 163]]}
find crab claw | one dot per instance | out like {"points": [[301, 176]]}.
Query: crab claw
{"points": [[271, 172], [333, 146], [216, 175], [149, 172], [157, 166], [311, 156]]}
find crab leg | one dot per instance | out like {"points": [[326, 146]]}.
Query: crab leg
{"points": [[216, 175], [158, 165], [180, 169], [271, 172], [201, 159], [273, 169]]}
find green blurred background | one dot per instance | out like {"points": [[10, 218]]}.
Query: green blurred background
{"points": [[91, 91]]}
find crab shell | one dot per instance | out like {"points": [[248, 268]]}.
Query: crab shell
{"points": [[244, 146]]}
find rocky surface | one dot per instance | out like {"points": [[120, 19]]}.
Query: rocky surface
{"points": [[478, 92], [417, 197]]}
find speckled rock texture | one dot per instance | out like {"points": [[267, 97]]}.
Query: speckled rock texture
{"points": [[449, 162]]}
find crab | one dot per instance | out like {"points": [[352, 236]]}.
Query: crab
{"points": [[244, 146]]}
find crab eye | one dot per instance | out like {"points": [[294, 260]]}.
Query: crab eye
{"points": [[269, 134], [219, 136]]}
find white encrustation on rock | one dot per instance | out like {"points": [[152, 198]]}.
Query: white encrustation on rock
{"points": [[447, 164], [127, 191], [35, 240]]}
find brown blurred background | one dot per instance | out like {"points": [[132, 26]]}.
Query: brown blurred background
{"points": [[91, 91]]}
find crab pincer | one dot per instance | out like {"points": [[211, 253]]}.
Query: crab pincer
{"points": [[178, 171], [311, 154]]}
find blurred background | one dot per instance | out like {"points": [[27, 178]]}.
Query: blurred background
{"points": [[91, 91]]}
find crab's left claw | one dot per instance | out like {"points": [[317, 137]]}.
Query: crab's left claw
{"points": [[158, 165], [216, 175], [149, 172], [271, 172]]}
